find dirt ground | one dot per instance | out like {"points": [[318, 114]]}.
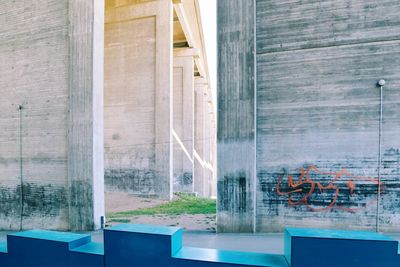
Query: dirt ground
{"points": [[117, 202]]}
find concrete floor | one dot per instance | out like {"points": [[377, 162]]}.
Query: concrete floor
{"points": [[264, 243]]}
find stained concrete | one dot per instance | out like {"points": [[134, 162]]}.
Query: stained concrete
{"points": [[236, 122], [138, 97], [317, 112], [50, 64], [183, 125]]}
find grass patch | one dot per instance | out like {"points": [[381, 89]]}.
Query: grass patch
{"points": [[184, 204], [120, 220]]}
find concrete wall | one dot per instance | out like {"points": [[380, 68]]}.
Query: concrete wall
{"points": [[50, 149], [317, 112], [138, 97]]}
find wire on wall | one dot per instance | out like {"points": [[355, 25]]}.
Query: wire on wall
{"points": [[20, 108], [381, 84]]}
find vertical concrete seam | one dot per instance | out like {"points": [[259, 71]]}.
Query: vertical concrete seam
{"points": [[255, 116], [171, 99], [93, 163], [69, 182]]}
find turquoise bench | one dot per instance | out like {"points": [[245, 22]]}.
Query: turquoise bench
{"points": [[155, 246], [317, 247]]}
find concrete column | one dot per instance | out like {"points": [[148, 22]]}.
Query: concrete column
{"points": [[183, 123], [138, 98], [199, 163], [207, 146], [236, 119], [85, 135]]}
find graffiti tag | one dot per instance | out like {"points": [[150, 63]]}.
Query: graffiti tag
{"points": [[312, 181]]}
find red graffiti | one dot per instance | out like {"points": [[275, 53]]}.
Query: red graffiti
{"points": [[306, 185]]}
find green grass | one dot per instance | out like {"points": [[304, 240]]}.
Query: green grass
{"points": [[185, 204], [120, 220]]}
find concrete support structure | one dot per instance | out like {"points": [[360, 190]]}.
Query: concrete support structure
{"points": [[236, 124], [153, 51], [199, 168], [51, 143], [53, 138], [300, 148], [138, 97], [183, 130]]}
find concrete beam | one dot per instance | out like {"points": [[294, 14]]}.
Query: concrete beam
{"points": [[181, 13]]}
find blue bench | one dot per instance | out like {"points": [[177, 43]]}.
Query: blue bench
{"points": [[143, 245], [162, 246], [317, 247], [48, 248]]}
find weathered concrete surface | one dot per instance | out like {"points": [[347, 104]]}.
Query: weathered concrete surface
{"points": [[318, 105], [47, 66], [318, 113], [203, 162], [327, 117], [149, 98], [183, 110], [236, 125], [138, 97]]}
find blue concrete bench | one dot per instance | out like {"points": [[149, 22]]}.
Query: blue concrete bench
{"points": [[48, 248], [316, 247], [162, 246], [143, 245]]}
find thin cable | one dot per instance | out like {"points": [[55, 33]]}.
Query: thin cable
{"points": [[379, 159], [21, 168]]}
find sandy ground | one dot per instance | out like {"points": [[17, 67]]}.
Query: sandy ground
{"points": [[116, 202], [197, 222]]}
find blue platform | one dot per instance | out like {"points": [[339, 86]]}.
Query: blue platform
{"points": [[316, 247], [144, 245]]}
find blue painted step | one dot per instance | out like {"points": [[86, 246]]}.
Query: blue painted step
{"points": [[3, 247], [155, 246], [36, 248], [199, 256], [316, 247], [3, 254], [88, 255], [144, 245]]}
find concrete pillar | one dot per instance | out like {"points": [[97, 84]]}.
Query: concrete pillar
{"points": [[138, 98], [183, 123], [85, 147], [236, 119], [207, 147], [199, 163], [51, 144]]}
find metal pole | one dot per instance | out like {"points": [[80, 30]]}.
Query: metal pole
{"points": [[381, 83], [21, 167]]}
